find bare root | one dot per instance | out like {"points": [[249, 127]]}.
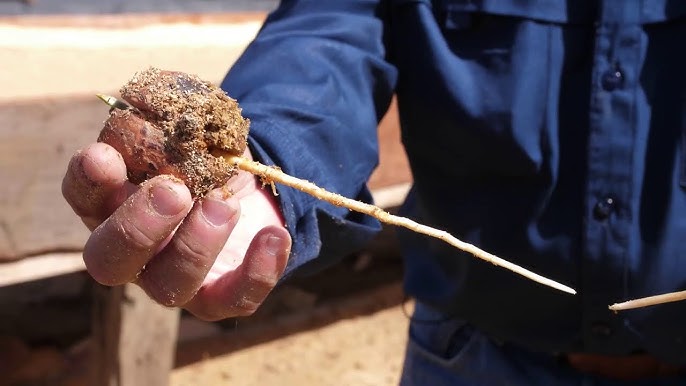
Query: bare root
{"points": [[649, 301], [269, 175]]}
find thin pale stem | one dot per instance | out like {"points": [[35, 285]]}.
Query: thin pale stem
{"points": [[271, 174], [649, 301]]}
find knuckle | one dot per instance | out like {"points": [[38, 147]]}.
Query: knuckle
{"points": [[101, 266], [105, 277], [193, 253], [261, 283], [245, 306], [163, 294], [164, 290], [136, 236]]}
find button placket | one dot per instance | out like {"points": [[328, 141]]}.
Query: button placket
{"points": [[610, 156], [603, 208], [612, 79]]}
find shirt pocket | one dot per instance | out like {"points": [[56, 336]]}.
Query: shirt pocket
{"points": [[446, 344], [489, 74], [500, 55], [510, 59], [489, 31], [445, 351]]}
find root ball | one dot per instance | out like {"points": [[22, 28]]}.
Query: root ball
{"points": [[176, 123]]}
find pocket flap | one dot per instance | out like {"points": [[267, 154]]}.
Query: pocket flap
{"points": [[553, 11]]}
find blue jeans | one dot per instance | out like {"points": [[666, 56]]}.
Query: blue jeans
{"points": [[451, 352]]}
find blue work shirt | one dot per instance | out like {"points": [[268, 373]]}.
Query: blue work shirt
{"points": [[550, 133]]}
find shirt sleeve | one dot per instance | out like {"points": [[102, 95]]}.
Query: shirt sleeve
{"points": [[314, 84]]}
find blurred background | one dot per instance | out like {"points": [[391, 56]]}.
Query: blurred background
{"points": [[344, 326]]}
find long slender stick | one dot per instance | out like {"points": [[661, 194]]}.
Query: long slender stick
{"points": [[273, 174], [649, 301], [270, 174]]}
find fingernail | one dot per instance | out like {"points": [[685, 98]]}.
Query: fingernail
{"points": [[165, 200], [217, 212], [89, 167], [273, 245]]}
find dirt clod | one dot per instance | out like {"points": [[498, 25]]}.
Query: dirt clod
{"points": [[176, 123]]}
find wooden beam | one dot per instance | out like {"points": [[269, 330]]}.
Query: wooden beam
{"points": [[40, 267], [99, 59], [135, 338], [129, 20]]}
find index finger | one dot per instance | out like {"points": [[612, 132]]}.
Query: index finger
{"points": [[94, 184], [118, 249]]}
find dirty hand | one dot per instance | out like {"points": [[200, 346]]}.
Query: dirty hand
{"points": [[218, 257]]}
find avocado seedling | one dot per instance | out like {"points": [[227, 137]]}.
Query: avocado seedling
{"points": [[175, 123]]}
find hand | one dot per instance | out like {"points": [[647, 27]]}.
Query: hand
{"points": [[218, 257]]}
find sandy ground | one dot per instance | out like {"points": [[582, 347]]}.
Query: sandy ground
{"points": [[366, 350]]}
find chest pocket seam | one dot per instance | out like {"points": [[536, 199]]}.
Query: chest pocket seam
{"points": [[459, 11]]}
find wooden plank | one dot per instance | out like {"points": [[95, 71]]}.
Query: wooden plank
{"points": [[90, 7], [135, 339], [36, 141], [130, 20], [40, 267], [44, 61]]}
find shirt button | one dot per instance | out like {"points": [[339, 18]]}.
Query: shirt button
{"points": [[603, 208], [601, 329], [612, 79]]}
